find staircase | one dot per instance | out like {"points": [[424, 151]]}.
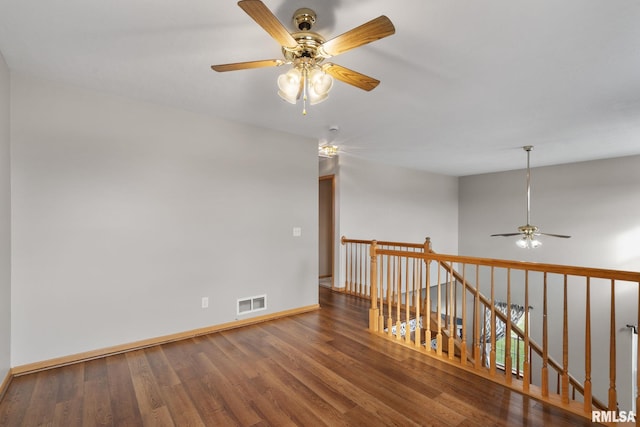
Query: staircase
{"points": [[405, 280]]}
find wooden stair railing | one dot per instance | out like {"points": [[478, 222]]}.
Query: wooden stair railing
{"points": [[399, 284], [528, 343]]}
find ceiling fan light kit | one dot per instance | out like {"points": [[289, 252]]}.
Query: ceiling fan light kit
{"points": [[306, 50], [529, 232], [328, 151], [305, 79]]}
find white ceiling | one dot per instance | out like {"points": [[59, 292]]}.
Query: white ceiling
{"points": [[465, 83]]}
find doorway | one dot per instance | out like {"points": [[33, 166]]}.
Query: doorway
{"points": [[326, 192]]}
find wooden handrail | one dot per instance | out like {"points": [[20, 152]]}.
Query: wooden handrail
{"points": [[344, 241], [599, 273]]}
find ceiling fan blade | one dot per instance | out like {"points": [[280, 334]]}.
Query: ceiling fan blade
{"points": [[506, 235], [562, 236], [246, 65], [267, 20], [366, 33], [351, 77]]}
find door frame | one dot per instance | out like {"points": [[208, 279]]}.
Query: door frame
{"points": [[332, 227]]}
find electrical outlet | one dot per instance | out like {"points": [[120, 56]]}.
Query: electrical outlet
{"points": [[205, 302]]}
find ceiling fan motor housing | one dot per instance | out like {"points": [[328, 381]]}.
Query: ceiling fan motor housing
{"points": [[308, 45], [528, 230]]}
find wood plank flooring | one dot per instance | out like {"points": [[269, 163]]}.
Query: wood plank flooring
{"points": [[316, 369]]}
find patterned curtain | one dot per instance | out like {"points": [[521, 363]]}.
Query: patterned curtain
{"points": [[516, 312]]}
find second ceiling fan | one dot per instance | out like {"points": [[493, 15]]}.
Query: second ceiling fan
{"points": [[528, 231], [306, 50]]}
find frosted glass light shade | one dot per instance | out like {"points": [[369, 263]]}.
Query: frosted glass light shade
{"points": [[289, 85], [319, 86], [528, 242]]}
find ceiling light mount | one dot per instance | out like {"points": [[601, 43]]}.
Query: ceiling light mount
{"points": [[304, 18]]}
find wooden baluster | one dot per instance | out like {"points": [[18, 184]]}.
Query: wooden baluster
{"points": [[507, 337], [545, 344], [366, 286], [381, 290], [587, 351], [427, 298], [357, 268], [565, 346], [439, 317], [492, 353], [451, 350], [381, 286], [414, 281], [418, 267], [356, 254], [347, 267], [394, 276], [485, 359], [399, 298], [517, 352], [354, 250], [447, 302], [418, 271], [455, 300], [612, 352], [374, 312], [463, 335], [361, 265], [353, 265], [407, 306], [476, 322], [526, 365], [390, 292]]}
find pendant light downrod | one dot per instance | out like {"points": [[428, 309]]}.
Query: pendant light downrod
{"points": [[528, 149]]}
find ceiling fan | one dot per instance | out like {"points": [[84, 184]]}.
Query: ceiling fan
{"points": [[528, 231], [305, 50]]}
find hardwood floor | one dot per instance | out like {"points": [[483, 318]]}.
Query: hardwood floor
{"points": [[316, 369]]}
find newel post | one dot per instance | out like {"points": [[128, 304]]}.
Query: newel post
{"points": [[374, 312]]}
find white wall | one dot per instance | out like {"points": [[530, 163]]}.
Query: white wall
{"points": [[597, 203], [5, 223], [126, 214], [385, 202]]}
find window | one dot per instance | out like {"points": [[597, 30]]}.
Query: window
{"points": [[517, 350]]}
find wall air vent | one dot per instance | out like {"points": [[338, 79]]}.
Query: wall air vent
{"points": [[251, 304]]}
